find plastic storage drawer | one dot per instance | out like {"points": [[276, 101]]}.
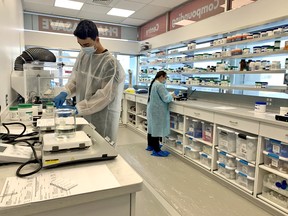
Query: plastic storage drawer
{"points": [[207, 150], [170, 141], [224, 170], [195, 129], [207, 131], [226, 159], [244, 180], [277, 147], [173, 122], [276, 162], [195, 144], [205, 159], [246, 167], [192, 153], [226, 139], [179, 145], [246, 146], [276, 183]]}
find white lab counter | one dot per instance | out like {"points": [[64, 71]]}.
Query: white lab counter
{"points": [[116, 200]]}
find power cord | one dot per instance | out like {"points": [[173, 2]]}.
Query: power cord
{"points": [[12, 139]]}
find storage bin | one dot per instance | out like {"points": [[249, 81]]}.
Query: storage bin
{"points": [[173, 122], [275, 197], [276, 183], [207, 150], [205, 159], [179, 145], [192, 153], [195, 144], [277, 147], [226, 159], [226, 171], [226, 139], [170, 141], [244, 180], [195, 129], [207, 131], [275, 161], [246, 167], [246, 146]]}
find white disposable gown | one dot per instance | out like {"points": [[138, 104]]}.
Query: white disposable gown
{"points": [[158, 110], [97, 80]]}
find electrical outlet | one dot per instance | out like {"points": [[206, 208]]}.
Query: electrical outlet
{"points": [[6, 99]]}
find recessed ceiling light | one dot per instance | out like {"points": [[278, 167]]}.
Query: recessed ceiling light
{"points": [[184, 22], [74, 5], [120, 12]]}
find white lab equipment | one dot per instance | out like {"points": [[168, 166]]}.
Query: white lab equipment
{"points": [[14, 154]]}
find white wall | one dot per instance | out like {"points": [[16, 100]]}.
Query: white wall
{"points": [[11, 45], [258, 13], [69, 42]]}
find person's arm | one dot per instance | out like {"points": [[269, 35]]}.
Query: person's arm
{"points": [[106, 94], [164, 94]]}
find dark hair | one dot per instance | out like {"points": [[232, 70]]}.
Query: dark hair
{"points": [[159, 74], [85, 29]]}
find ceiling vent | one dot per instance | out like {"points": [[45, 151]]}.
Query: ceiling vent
{"points": [[103, 2]]}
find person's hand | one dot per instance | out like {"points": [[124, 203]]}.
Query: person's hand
{"points": [[69, 107], [60, 99]]}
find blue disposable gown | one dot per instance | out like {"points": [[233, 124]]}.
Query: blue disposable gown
{"points": [[158, 110], [97, 80]]}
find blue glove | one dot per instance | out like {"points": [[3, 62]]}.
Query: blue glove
{"points": [[176, 92], [69, 107], [60, 99]]}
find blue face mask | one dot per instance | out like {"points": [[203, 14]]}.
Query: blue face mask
{"points": [[89, 50]]}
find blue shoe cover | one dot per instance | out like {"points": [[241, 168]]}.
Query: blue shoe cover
{"points": [[160, 153], [149, 148]]}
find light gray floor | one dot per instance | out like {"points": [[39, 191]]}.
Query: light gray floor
{"points": [[172, 187]]}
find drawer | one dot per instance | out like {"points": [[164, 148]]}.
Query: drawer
{"points": [[274, 131], [141, 100], [199, 114], [237, 123], [130, 97], [176, 108]]}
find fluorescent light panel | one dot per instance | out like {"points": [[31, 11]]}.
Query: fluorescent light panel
{"points": [[184, 22], [120, 12], [74, 5]]}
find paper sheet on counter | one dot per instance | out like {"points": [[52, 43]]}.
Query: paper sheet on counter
{"points": [[18, 191]]}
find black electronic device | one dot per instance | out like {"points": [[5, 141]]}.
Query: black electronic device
{"points": [[281, 118]]}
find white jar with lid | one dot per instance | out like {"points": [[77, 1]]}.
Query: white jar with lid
{"points": [[260, 107], [13, 113], [25, 112]]}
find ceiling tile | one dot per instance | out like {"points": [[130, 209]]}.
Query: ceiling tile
{"points": [[95, 8], [39, 8], [101, 17], [165, 3], [128, 5], [134, 22], [111, 4], [47, 2], [141, 1], [149, 12]]}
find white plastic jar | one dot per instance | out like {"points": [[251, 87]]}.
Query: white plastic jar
{"points": [[260, 107], [25, 112], [13, 113]]}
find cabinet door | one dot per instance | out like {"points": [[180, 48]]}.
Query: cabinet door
{"points": [[237, 123], [176, 108], [199, 114], [130, 97], [274, 132], [141, 100]]}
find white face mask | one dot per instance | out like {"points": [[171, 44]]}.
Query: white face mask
{"points": [[89, 50]]}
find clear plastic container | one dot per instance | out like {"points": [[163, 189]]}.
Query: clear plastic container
{"points": [[244, 180], [226, 139], [205, 159], [207, 149], [65, 123], [49, 109], [195, 129], [192, 153], [170, 141], [25, 113], [195, 144], [246, 167], [179, 145], [226, 159], [207, 131], [276, 183], [276, 147], [275, 161], [224, 170], [246, 146]]}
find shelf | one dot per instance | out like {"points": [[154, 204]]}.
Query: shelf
{"points": [[143, 117], [177, 131], [283, 175], [280, 89], [282, 71], [273, 204], [200, 140], [174, 149], [141, 131], [233, 182], [274, 188], [197, 162]]}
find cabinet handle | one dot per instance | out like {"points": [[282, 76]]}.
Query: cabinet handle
{"points": [[233, 122], [196, 114]]}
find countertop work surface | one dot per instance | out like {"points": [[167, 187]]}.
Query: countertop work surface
{"points": [[231, 110], [94, 181]]}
